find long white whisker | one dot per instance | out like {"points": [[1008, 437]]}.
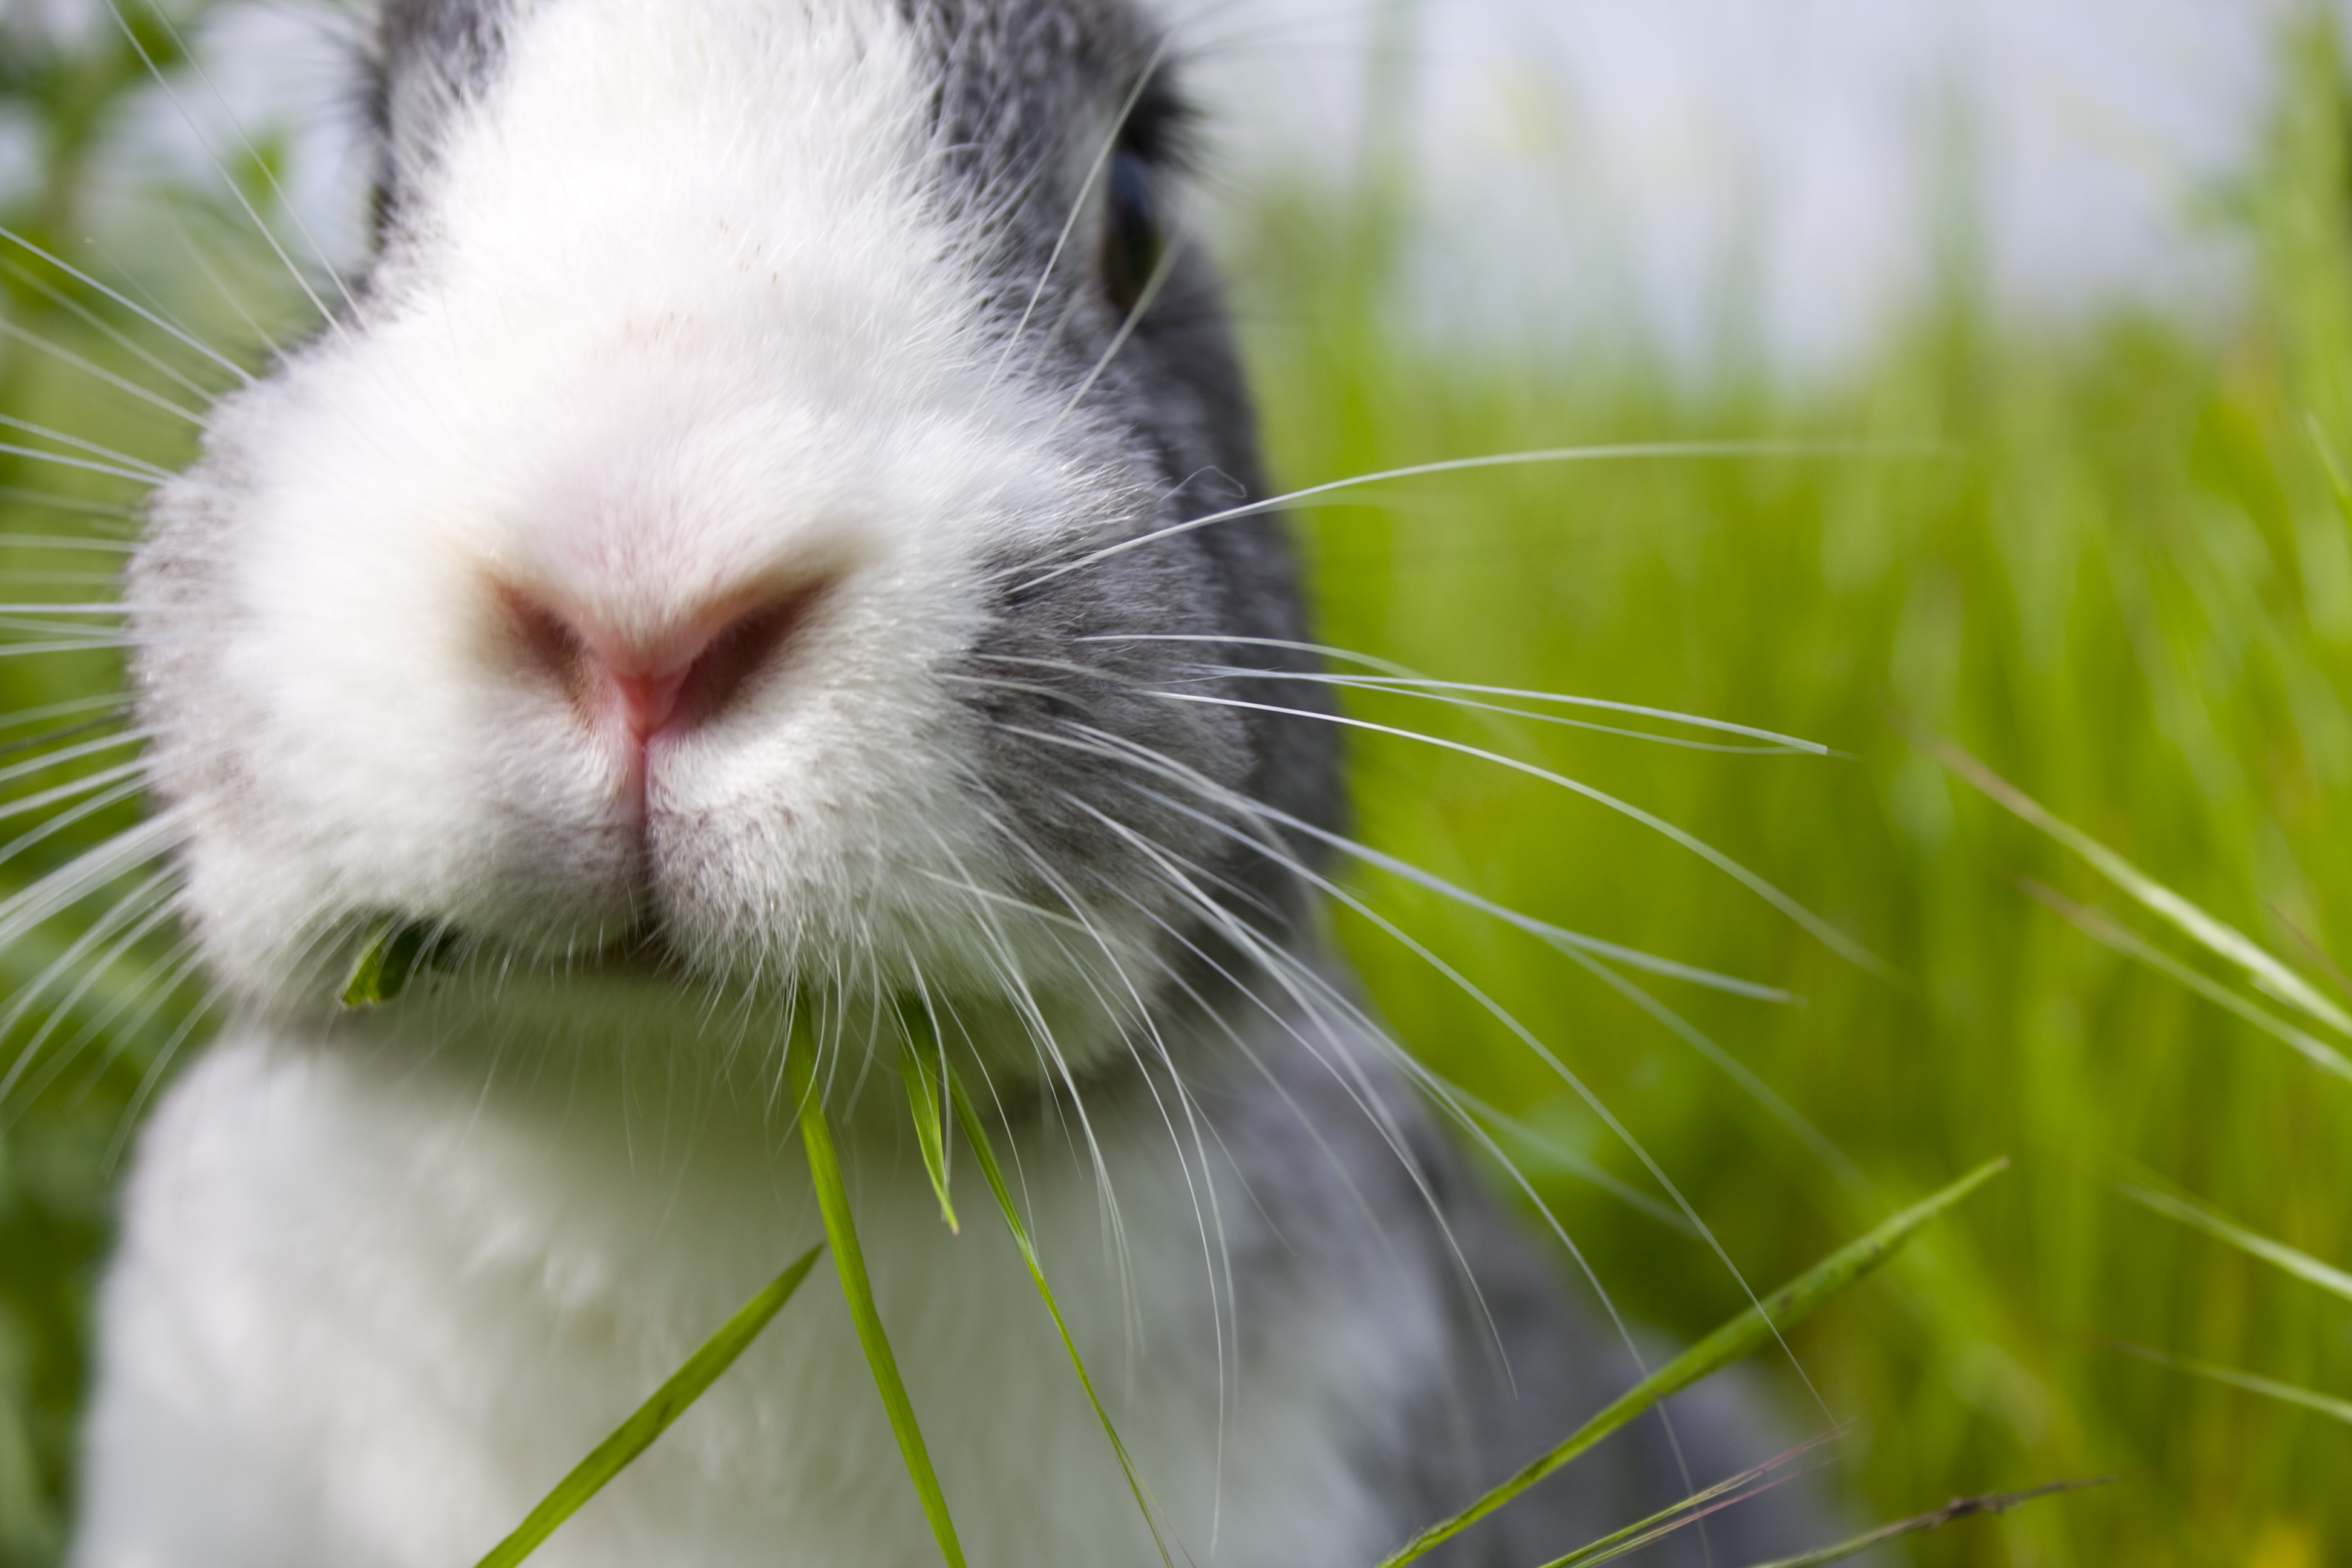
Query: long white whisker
{"points": [[293, 213], [1272, 961], [64, 755], [143, 901], [119, 383], [143, 995], [144, 474], [1033, 1016], [67, 818], [1204, 1219], [1162, 270], [1821, 930], [229, 295], [1557, 935], [68, 885], [81, 786], [96, 642], [60, 299], [161, 1064], [1077, 209], [1527, 1037], [1454, 695], [1619, 451], [189, 339], [1166, 768], [1388, 671], [171, 94]]}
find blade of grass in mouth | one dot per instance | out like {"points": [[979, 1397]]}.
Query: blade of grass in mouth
{"points": [[849, 1264]]}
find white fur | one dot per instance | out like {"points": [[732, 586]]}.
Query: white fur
{"points": [[410, 1318]]}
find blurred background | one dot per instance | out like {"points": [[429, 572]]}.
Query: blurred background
{"points": [[2062, 295]]}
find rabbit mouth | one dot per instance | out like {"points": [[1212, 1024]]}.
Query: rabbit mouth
{"points": [[397, 953]]}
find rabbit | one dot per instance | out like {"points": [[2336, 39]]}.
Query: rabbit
{"points": [[772, 543]]}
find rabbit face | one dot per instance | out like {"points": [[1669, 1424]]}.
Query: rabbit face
{"points": [[677, 569]]}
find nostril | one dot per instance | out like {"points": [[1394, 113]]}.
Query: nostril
{"points": [[737, 651], [672, 674]]}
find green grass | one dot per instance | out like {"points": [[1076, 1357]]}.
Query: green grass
{"points": [[2122, 578]]}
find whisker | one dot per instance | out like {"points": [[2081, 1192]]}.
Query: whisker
{"points": [[1617, 451], [1567, 1075], [1043, 869], [1487, 1003], [1558, 936], [268, 173], [19, 495], [1033, 1016], [1162, 270], [140, 1001], [1458, 694], [91, 367], [111, 701], [51, 826], [236, 302], [1077, 209], [64, 301], [1821, 930], [68, 885], [151, 318], [1388, 671], [94, 642], [80, 786], [269, 236], [154, 1077], [1570, 1161], [121, 467], [145, 907], [68, 754]]}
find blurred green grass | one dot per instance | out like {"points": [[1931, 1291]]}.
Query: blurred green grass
{"points": [[2122, 576]]}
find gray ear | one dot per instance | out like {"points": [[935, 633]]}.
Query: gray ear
{"points": [[1029, 92], [429, 58]]}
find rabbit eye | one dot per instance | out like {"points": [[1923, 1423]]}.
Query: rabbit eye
{"points": [[1133, 241]]}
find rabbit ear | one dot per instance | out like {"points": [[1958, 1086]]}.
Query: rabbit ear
{"points": [[428, 59]]}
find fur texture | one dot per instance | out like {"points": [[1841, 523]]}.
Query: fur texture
{"points": [[673, 583]]}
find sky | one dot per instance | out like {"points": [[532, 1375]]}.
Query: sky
{"points": [[1582, 164]]}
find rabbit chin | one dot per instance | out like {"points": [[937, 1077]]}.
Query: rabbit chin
{"points": [[515, 1025]]}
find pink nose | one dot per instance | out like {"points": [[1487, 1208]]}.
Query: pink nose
{"points": [[644, 704], [632, 688]]}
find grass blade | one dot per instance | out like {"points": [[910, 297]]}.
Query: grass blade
{"points": [[2269, 1387], [2218, 936], [923, 1100], [2114, 934], [2302, 1265], [849, 1263], [384, 965], [670, 1401], [1784, 1307], [395, 950], [969, 1118], [1689, 1511], [1935, 1519]]}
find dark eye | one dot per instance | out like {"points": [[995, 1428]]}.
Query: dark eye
{"points": [[1132, 240]]}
